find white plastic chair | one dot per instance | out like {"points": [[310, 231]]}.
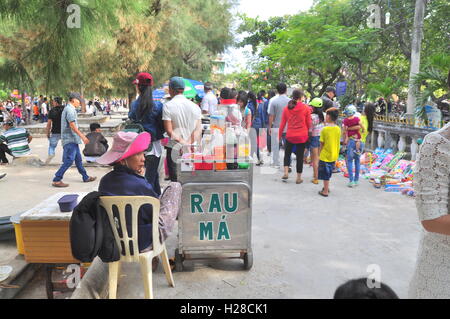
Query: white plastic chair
{"points": [[145, 259]]}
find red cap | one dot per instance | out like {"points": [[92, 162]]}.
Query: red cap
{"points": [[144, 78]]}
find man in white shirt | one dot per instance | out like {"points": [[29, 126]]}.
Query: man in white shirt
{"points": [[182, 122], [44, 110], [209, 102]]}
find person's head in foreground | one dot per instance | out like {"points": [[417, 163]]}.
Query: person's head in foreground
{"points": [[127, 150], [75, 99], [359, 289], [95, 127], [176, 86], [332, 115], [8, 124]]}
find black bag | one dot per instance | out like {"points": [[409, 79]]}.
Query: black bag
{"points": [[90, 232]]}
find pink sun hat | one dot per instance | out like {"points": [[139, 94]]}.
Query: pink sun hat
{"points": [[125, 144]]}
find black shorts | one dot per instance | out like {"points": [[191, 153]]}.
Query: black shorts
{"points": [[325, 170]]}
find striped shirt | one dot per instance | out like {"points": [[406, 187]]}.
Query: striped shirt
{"points": [[17, 140]]}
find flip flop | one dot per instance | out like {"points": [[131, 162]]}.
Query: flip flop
{"points": [[329, 191], [322, 194]]}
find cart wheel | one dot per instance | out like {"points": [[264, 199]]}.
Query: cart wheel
{"points": [[178, 261], [248, 260]]}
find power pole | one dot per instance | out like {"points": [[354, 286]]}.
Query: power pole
{"points": [[416, 45]]}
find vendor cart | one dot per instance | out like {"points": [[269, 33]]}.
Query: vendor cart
{"points": [[215, 215]]}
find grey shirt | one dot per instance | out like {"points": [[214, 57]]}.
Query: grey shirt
{"points": [[277, 106], [67, 135]]}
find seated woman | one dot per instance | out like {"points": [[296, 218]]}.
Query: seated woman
{"points": [[127, 179]]}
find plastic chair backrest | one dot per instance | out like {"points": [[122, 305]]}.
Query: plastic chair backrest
{"points": [[131, 254]]}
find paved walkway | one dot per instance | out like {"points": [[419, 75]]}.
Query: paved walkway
{"points": [[304, 245]]}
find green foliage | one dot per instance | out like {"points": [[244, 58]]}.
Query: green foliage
{"points": [[331, 42], [117, 39]]}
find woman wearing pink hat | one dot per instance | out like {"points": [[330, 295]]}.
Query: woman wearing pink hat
{"points": [[126, 179]]}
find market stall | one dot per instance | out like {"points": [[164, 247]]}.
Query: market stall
{"points": [[43, 237]]}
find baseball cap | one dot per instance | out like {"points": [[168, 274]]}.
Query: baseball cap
{"points": [[208, 86], [330, 89], [76, 95], [316, 102], [176, 83], [144, 78]]}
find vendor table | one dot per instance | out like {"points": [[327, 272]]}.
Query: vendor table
{"points": [[46, 237], [215, 215]]}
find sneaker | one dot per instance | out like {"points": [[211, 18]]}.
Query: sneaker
{"points": [[355, 183], [351, 184], [2, 175], [299, 181], [284, 178]]}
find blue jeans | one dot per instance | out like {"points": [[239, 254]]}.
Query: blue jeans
{"points": [[352, 157], [53, 142], [71, 154]]}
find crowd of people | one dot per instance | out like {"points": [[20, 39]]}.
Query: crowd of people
{"points": [[310, 128]]}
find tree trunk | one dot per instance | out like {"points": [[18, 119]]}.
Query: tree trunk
{"points": [[415, 53]]}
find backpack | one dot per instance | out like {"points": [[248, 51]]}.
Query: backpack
{"points": [[91, 234]]}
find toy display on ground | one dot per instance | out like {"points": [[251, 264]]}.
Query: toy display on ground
{"points": [[386, 170]]}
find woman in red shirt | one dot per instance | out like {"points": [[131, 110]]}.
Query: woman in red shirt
{"points": [[297, 116]]}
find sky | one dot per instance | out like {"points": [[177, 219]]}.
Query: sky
{"points": [[264, 9]]}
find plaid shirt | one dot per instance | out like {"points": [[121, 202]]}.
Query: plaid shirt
{"points": [[67, 135]]}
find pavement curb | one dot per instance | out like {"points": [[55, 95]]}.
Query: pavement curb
{"points": [[94, 284], [23, 273]]}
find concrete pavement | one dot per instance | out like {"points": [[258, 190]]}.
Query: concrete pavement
{"points": [[304, 245]]}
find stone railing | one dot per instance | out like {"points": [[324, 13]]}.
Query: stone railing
{"points": [[400, 135]]}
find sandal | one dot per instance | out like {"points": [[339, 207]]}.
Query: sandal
{"points": [[322, 194], [329, 191]]}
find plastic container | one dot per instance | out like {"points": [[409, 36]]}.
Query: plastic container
{"points": [[67, 203], [218, 122], [244, 165], [15, 220]]}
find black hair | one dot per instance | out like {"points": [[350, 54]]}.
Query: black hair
{"points": [[330, 89], [272, 93], [261, 94], [45, 99], [242, 97], [281, 88], [252, 97], [58, 100], [319, 112], [90, 103], [296, 95], [94, 126], [234, 93], [333, 113], [146, 103], [358, 289], [369, 111], [225, 93]]}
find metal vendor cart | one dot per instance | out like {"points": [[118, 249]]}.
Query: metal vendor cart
{"points": [[215, 215]]}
